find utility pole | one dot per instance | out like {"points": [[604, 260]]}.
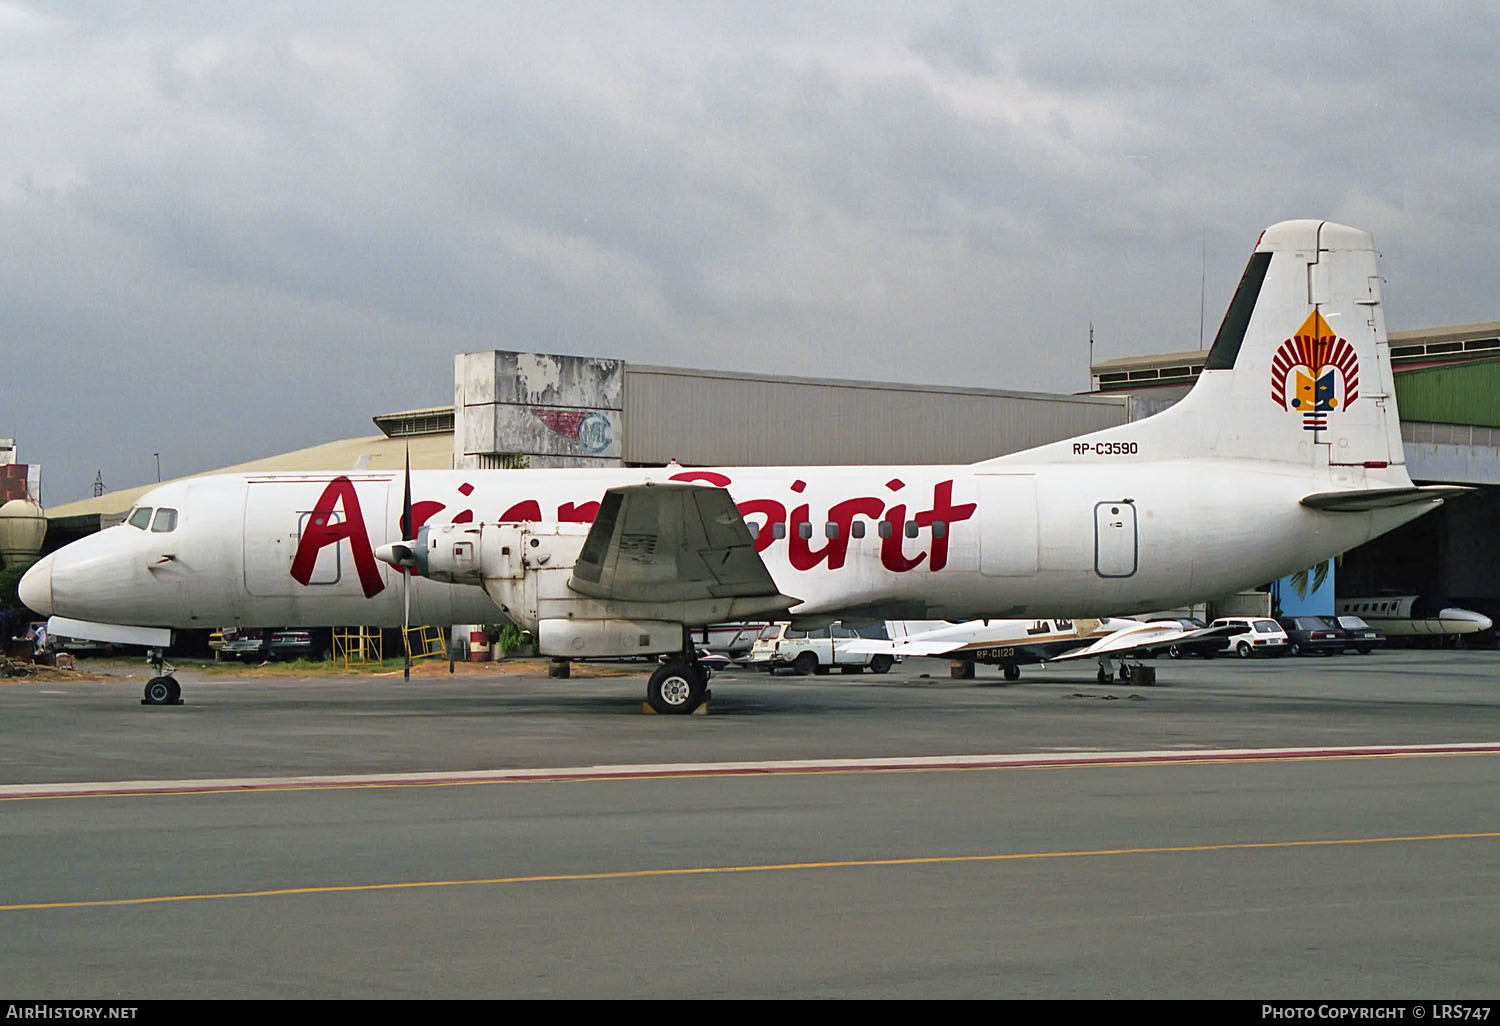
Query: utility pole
{"points": [[1091, 356]]}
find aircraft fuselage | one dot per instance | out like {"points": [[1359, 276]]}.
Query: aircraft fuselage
{"points": [[955, 542]]}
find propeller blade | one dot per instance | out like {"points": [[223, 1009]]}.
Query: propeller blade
{"points": [[406, 532]]}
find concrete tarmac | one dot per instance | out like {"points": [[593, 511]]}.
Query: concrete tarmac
{"points": [[1326, 874]]}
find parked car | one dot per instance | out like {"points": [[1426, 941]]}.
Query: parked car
{"points": [[1362, 637], [1313, 634], [247, 644], [1205, 648], [298, 644], [814, 651], [1257, 636], [256, 644]]}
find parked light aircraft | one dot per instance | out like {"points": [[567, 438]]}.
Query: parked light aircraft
{"points": [[1010, 644], [1286, 451], [1412, 616]]}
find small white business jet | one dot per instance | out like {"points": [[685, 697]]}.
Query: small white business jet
{"points": [[1011, 644], [1286, 452], [1414, 616]]}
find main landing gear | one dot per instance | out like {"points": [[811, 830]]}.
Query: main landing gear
{"points": [[1128, 674], [162, 689], [679, 685]]}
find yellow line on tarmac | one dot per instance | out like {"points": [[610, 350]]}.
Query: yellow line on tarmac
{"points": [[638, 874]]}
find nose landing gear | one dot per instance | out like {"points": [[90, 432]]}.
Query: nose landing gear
{"points": [[162, 689]]}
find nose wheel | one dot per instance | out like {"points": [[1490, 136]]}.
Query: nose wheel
{"points": [[162, 689]]}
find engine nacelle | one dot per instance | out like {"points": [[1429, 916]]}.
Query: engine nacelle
{"points": [[451, 553], [581, 638]]}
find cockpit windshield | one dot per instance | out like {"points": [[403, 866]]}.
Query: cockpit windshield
{"points": [[141, 519]]}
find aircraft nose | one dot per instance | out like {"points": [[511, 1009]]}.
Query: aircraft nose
{"points": [[35, 589]]}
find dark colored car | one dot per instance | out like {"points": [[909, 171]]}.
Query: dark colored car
{"points": [[297, 644], [1310, 634], [253, 644], [1205, 648], [1362, 637]]}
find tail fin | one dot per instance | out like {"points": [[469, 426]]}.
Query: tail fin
{"points": [[1299, 372]]}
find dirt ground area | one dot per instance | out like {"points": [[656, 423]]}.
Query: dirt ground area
{"points": [[121, 668]]}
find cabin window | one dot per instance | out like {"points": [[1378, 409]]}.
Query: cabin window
{"points": [[885, 530], [166, 520], [857, 529], [754, 530], [804, 530], [140, 518], [940, 528], [830, 530], [911, 528], [778, 529]]}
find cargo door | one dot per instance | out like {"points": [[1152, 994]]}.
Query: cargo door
{"points": [[1114, 539]]}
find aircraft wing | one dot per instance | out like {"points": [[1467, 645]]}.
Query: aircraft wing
{"points": [[1144, 637], [901, 647], [1029, 638], [672, 543]]}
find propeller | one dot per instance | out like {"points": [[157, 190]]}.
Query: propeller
{"points": [[406, 532], [403, 556]]}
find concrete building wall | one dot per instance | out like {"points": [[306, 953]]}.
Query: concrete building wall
{"points": [[551, 410]]}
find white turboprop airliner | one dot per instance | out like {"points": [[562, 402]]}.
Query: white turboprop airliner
{"points": [[1287, 451], [1010, 644]]}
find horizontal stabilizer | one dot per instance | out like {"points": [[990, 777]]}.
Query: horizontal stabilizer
{"points": [[1364, 500]]}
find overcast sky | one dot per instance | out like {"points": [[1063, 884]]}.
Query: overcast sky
{"points": [[236, 229]]}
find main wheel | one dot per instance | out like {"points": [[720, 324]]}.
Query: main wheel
{"points": [[1124, 674], [1243, 649], [1103, 677], [676, 687], [1012, 671], [162, 691], [805, 663], [1174, 652], [881, 664]]}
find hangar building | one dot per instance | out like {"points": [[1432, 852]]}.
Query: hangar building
{"points": [[528, 409]]}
